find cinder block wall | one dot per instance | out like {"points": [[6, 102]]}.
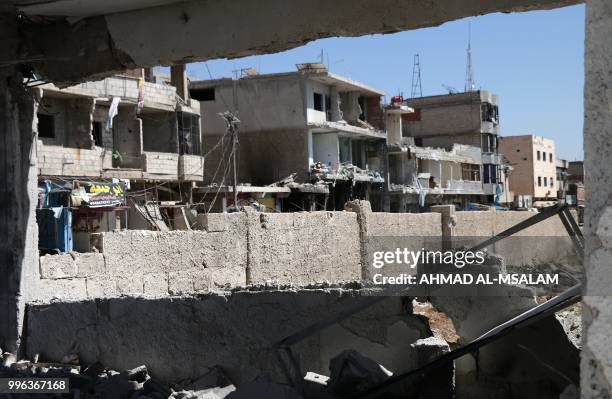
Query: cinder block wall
{"points": [[302, 248], [543, 242]]}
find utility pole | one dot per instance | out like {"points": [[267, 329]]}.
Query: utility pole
{"points": [[232, 127], [417, 88]]}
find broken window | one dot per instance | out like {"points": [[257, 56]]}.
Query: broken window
{"points": [[470, 172], [552, 182], [544, 156], [550, 157], [96, 132], [207, 94], [362, 105], [545, 180], [46, 126], [189, 133], [490, 113], [318, 101], [538, 155], [539, 181]]}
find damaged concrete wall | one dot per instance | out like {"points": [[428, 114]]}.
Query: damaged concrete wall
{"points": [[287, 147], [292, 248], [597, 302], [168, 263], [18, 193], [234, 331], [123, 40], [79, 118], [287, 248], [56, 160]]}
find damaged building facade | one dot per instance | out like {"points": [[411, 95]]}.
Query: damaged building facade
{"points": [[107, 150], [444, 150], [318, 133]]}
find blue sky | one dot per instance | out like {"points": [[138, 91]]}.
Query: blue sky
{"points": [[533, 61]]}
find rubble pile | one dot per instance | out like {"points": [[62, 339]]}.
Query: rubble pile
{"points": [[96, 381]]}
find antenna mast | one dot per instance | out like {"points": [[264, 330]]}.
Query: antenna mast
{"points": [[470, 85], [417, 88]]}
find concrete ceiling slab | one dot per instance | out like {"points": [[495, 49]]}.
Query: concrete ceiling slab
{"points": [[84, 8], [180, 32]]}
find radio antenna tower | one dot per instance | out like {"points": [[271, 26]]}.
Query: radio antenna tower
{"points": [[417, 88], [470, 85]]}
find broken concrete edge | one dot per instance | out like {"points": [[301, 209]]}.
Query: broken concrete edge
{"points": [[130, 39], [342, 286]]}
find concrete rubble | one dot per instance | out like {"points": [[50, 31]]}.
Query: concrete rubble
{"points": [[97, 381]]}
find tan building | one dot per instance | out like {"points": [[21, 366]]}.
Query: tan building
{"points": [[534, 161]]}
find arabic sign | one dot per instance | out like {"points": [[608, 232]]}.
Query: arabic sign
{"points": [[95, 194]]}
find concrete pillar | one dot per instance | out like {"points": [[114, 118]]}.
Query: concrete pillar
{"points": [[394, 128], [18, 194], [336, 113], [448, 223], [178, 79], [596, 363]]}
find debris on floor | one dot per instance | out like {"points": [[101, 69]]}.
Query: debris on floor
{"points": [[98, 382]]}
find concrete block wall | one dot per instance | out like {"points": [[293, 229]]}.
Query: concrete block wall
{"points": [[191, 167], [63, 161], [304, 247], [155, 95], [236, 249], [388, 231], [150, 263], [161, 165], [543, 242]]}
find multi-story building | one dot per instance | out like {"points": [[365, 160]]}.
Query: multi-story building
{"points": [[534, 162], [470, 118], [444, 150], [575, 172], [120, 133], [323, 131], [561, 166]]}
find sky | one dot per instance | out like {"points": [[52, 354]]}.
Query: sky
{"points": [[533, 61]]}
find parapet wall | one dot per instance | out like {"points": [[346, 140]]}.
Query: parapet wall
{"points": [[238, 249]]}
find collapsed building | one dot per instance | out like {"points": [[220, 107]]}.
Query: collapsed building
{"points": [[99, 140], [324, 132], [445, 150]]}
